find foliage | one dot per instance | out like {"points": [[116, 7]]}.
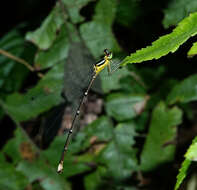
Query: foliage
{"points": [[177, 10], [102, 37], [122, 107], [166, 44], [179, 92], [162, 130], [12, 42], [49, 27], [144, 104], [193, 50], [189, 157]]}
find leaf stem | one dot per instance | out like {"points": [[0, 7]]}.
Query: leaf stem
{"points": [[19, 60]]}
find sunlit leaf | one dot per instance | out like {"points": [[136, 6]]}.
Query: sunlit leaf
{"points": [[182, 173], [166, 44], [192, 151], [189, 156], [193, 50]]}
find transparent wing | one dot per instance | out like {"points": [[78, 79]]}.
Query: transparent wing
{"points": [[115, 64], [78, 72]]}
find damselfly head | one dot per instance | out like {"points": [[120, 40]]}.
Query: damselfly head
{"points": [[108, 53]]}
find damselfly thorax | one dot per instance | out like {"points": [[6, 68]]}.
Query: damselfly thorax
{"points": [[100, 65]]}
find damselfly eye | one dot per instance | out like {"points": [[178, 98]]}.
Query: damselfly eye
{"points": [[106, 52], [109, 55]]}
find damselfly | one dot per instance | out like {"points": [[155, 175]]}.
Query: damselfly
{"points": [[97, 68]]}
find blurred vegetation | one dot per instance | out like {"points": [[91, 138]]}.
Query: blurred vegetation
{"points": [[145, 133]]}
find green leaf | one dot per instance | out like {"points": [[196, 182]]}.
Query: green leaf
{"points": [[98, 40], [124, 106], [73, 165], [92, 181], [184, 92], [101, 130], [189, 156], [148, 76], [97, 180], [166, 44], [15, 148], [2, 158], [44, 36], [56, 53], [41, 98], [119, 152], [11, 41], [97, 34], [10, 79], [192, 151], [132, 85], [182, 173], [112, 82], [39, 170], [76, 165], [141, 121], [162, 130], [74, 8], [193, 50], [177, 10], [105, 12], [127, 12], [10, 179], [12, 74]]}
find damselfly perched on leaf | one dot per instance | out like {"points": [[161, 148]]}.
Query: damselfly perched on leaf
{"points": [[97, 68]]}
